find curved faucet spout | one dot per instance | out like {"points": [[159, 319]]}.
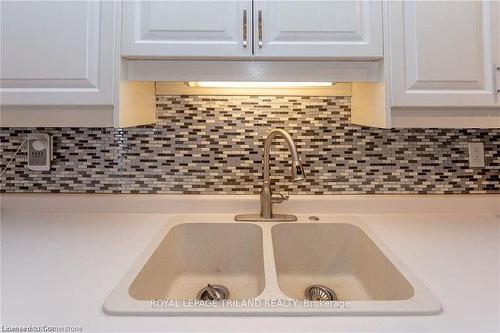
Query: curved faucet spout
{"points": [[266, 200], [266, 195], [297, 169]]}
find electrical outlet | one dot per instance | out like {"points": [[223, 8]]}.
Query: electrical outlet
{"points": [[39, 151], [476, 155]]}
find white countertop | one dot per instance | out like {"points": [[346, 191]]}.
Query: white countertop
{"points": [[63, 254]]}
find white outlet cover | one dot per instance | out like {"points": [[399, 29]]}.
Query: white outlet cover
{"points": [[39, 151], [476, 154]]}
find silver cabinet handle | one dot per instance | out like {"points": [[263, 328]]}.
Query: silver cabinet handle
{"points": [[260, 28], [496, 88], [497, 70], [245, 28]]}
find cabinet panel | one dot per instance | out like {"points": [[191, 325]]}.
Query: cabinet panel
{"points": [[57, 52], [187, 28], [443, 53], [322, 29]]}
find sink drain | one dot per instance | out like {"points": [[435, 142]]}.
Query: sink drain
{"points": [[320, 293], [213, 292]]}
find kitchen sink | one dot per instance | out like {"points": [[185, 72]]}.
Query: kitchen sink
{"points": [[193, 255], [212, 265], [339, 256]]}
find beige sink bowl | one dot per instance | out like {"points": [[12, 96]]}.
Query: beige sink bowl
{"points": [[194, 254], [266, 267], [339, 256]]}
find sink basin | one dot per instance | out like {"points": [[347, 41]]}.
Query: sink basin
{"points": [[339, 256], [195, 254], [265, 267]]}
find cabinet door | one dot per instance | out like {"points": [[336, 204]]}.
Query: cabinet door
{"points": [[57, 52], [443, 53], [198, 29], [318, 29]]}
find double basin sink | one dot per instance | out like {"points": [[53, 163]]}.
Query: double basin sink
{"points": [[332, 265]]}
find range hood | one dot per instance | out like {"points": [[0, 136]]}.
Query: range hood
{"points": [[262, 70]]}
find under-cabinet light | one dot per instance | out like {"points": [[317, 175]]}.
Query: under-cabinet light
{"points": [[252, 84]]}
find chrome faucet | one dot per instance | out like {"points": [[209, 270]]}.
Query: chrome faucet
{"points": [[266, 196]]}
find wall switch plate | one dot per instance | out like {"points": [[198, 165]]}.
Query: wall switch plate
{"points": [[39, 151], [476, 154]]}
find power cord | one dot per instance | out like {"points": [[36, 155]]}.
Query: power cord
{"points": [[17, 151]]}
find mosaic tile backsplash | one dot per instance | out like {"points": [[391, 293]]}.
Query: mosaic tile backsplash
{"points": [[213, 145]]}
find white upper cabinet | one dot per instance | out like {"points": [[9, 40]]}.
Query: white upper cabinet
{"points": [[246, 29], [318, 29], [197, 29], [57, 52], [444, 53]]}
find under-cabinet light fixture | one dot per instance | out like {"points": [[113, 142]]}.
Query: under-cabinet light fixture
{"points": [[253, 84]]}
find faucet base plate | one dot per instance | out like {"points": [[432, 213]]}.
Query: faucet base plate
{"points": [[258, 218]]}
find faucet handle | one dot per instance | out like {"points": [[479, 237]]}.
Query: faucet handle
{"points": [[279, 198]]}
